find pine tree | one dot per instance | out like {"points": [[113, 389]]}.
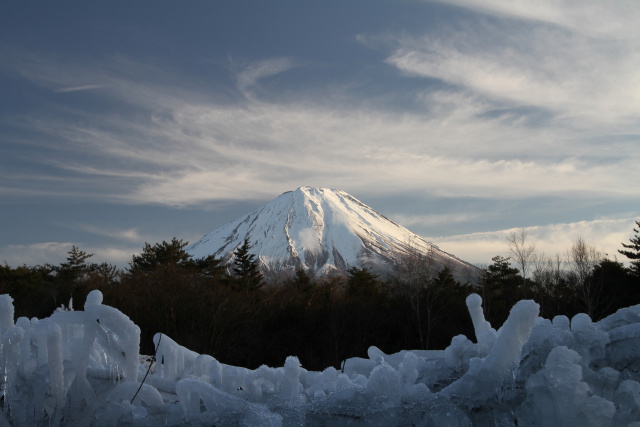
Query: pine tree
{"points": [[302, 281], [500, 283], [71, 275], [633, 252], [361, 282], [445, 279], [246, 270], [76, 263], [161, 254], [172, 255]]}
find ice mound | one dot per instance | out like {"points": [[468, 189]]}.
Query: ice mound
{"points": [[81, 368]]}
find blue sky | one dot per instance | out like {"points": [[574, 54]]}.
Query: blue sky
{"points": [[130, 122]]}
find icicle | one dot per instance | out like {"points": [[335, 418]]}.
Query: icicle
{"points": [[6, 313], [56, 369]]}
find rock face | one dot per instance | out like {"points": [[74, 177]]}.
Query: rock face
{"points": [[322, 231]]}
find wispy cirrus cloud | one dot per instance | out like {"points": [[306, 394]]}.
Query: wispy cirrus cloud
{"points": [[128, 234], [208, 152], [180, 148], [519, 117], [510, 103], [249, 75], [79, 88], [579, 79], [432, 220], [598, 18]]}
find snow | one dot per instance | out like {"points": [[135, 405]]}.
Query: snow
{"points": [[319, 230], [80, 368]]}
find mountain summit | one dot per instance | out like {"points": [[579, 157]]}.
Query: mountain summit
{"points": [[321, 231]]}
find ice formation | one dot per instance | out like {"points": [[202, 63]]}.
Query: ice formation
{"points": [[84, 368]]}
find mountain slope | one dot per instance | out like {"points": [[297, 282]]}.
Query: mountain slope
{"points": [[321, 231]]}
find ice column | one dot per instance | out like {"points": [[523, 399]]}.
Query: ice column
{"points": [[56, 370], [119, 335], [485, 334], [290, 388], [487, 376], [6, 313], [172, 359]]}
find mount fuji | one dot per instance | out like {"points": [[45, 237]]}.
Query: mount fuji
{"points": [[321, 231]]}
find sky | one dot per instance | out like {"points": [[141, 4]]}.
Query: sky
{"points": [[130, 122]]}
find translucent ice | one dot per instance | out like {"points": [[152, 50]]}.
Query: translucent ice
{"points": [[172, 359], [556, 395], [485, 334], [6, 313], [489, 375], [83, 368]]}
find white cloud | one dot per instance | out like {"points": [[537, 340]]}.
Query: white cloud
{"points": [[478, 137], [184, 153], [430, 220], [129, 235], [248, 77], [115, 255], [600, 18], [577, 78], [79, 88], [606, 235], [548, 107], [35, 254], [55, 253], [263, 148]]}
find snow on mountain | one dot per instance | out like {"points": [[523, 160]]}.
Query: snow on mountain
{"points": [[321, 231]]}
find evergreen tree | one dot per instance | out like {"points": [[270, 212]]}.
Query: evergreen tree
{"points": [[32, 288], [302, 281], [168, 291], [445, 279], [361, 282], [171, 258], [161, 254], [245, 267], [209, 267], [500, 288], [102, 276], [616, 285], [632, 251], [76, 263], [71, 276]]}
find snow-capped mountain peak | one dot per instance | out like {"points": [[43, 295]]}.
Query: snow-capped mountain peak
{"points": [[320, 230]]}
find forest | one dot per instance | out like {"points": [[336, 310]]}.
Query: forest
{"points": [[242, 318]]}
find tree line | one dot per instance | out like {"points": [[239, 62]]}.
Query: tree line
{"points": [[234, 314]]}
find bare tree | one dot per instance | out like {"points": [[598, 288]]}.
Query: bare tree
{"points": [[548, 274], [414, 273], [541, 271], [523, 252], [581, 259]]}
